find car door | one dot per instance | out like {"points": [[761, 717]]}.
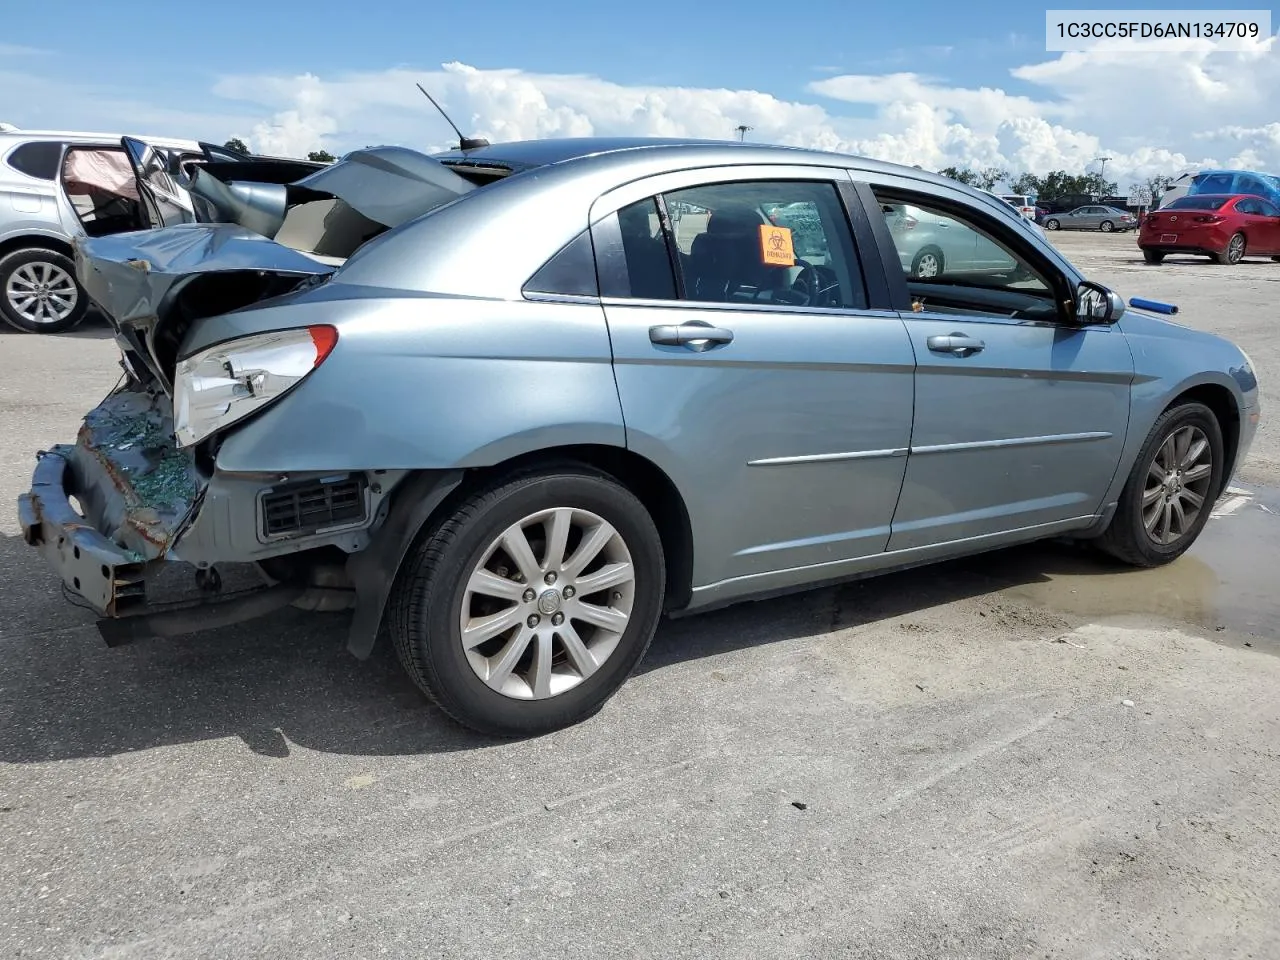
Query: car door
{"points": [[1020, 414], [97, 193], [164, 201], [756, 378], [1269, 228]]}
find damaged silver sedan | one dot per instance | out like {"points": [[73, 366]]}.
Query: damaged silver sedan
{"points": [[513, 403]]}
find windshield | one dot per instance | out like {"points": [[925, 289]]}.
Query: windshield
{"points": [[1202, 202]]}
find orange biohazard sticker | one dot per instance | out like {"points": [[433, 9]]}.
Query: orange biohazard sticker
{"points": [[776, 248]]}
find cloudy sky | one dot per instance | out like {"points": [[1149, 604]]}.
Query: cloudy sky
{"points": [[945, 85]]}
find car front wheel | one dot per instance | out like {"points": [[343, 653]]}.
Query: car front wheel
{"points": [[527, 608], [39, 292], [1171, 489]]}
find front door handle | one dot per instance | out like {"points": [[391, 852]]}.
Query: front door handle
{"points": [[956, 343], [695, 334]]}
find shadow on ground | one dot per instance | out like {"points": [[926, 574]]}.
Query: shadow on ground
{"points": [[288, 678]]}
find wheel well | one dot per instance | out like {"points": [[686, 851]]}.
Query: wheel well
{"points": [[35, 243], [1223, 404], [650, 485]]}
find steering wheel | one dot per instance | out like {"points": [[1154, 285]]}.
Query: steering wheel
{"points": [[807, 286]]}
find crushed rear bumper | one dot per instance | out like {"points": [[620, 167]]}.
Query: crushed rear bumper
{"points": [[109, 577], [103, 509]]}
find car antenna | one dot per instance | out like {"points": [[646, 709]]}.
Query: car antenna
{"points": [[464, 143]]}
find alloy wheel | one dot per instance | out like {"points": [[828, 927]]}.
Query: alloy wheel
{"points": [[1177, 487], [547, 604], [928, 265], [1235, 248], [42, 292]]}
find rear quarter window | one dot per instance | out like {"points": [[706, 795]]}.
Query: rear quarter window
{"points": [[37, 159]]}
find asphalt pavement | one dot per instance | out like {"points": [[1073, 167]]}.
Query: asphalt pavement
{"points": [[1032, 754]]}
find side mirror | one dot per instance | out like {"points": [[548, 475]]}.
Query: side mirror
{"points": [[1098, 304]]}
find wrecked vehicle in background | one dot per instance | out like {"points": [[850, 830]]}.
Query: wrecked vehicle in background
{"points": [[56, 186], [496, 402]]}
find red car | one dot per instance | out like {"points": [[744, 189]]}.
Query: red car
{"points": [[1225, 227]]}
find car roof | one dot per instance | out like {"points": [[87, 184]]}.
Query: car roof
{"points": [[16, 135], [519, 155]]}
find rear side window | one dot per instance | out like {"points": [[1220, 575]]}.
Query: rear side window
{"points": [[1248, 206], [38, 159], [571, 272], [1197, 203]]}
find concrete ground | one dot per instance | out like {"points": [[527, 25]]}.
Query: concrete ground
{"points": [[1034, 754]]}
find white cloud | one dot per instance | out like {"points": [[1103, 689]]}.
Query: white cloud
{"points": [[1148, 113]]}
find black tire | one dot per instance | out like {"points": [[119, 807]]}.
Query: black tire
{"points": [[1153, 256], [1233, 252], [923, 258], [1126, 537], [1106, 226], [1052, 223], [426, 602], [10, 265]]}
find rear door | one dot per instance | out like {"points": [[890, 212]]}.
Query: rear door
{"points": [[1020, 415], [97, 192], [157, 170], [751, 369]]}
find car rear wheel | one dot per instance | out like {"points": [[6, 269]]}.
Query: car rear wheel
{"points": [[1051, 224], [1153, 256], [1233, 252], [39, 292], [527, 608], [1106, 226], [928, 263], [1171, 490]]}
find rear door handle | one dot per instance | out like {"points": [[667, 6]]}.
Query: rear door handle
{"points": [[695, 334], [956, 343]]}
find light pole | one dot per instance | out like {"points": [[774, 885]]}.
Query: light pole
{"points": [[1102, 174], [742, 129]]}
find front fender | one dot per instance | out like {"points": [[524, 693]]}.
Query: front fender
{"points": [[1169, 361]]}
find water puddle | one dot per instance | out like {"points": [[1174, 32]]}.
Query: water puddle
{"points": [[1229, 581]]}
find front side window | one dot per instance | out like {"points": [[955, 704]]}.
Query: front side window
{"points": [[1267, 209], [956, 261], [768, 243]]}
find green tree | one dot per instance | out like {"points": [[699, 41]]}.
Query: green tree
{"points": [[963, 174], [321, 156], [1027, 183], [988, 177], [236, 144], [1157, 186]]}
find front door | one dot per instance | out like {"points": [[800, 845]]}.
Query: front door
{"points": [[1020, 416], [751, 371]]}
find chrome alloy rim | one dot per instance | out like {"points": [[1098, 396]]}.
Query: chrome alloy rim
{"points": [[928, 266], [1177, 485], [547, 604], [41, 292]]}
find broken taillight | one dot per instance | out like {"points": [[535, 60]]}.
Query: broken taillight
{"points": [[216, 387]]}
